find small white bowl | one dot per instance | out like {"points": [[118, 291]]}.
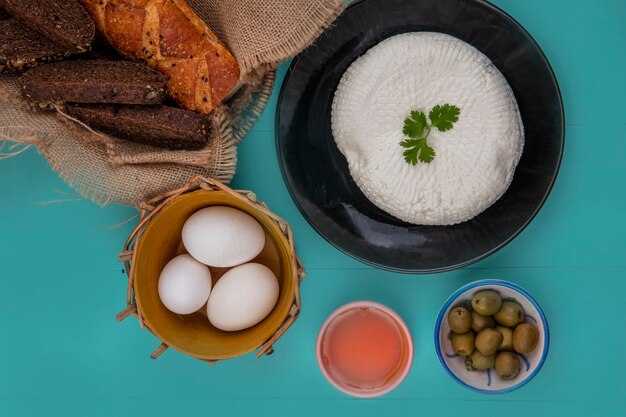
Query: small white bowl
{"points": [[487, 382]]}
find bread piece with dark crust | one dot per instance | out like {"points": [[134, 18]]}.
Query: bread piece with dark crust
{"points": [[160, 126], [118, 82], [63, 21], [4, 15], [201, 72], [23, 47], [101, 49]]}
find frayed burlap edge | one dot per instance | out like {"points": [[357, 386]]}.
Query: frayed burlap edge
{"points": [[42, 144], [326, 12], [22, 136], [242, 115], [88, 192], [14, 137]]}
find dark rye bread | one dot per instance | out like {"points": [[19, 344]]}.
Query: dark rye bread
{"points": [[118, 82], [101, 49], [63, 21], [22, 47], [4, 15], [161, 126]]}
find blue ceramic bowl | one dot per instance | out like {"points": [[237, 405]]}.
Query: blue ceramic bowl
{"points": [[487, 382]]}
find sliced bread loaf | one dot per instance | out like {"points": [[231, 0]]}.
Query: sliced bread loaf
{"points": [[119, 82], [22, 47], [161, 126], [65, 22]]}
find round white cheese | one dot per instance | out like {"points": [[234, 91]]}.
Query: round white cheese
{"points": [[474, 161]]}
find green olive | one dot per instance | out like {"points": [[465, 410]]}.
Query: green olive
{"points": [[482, 362], [507, 338], [525, 338], [510, 314], [507, 365], [460, 320], [488, 341], [463, 343], [486, 302], [480, 322]]}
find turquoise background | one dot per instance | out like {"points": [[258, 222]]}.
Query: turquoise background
{"points": [[62, 353]]}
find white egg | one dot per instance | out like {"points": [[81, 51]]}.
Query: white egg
{"points": [[243, 297], [184, 285], [223, 236]]}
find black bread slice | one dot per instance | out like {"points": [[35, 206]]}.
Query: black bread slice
{"points": [[101, 49], [4, 15], [119, 82], [64, 21], [22, 47], [161, 126]]}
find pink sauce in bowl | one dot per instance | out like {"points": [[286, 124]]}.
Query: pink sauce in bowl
{"points": [[364, 349]]}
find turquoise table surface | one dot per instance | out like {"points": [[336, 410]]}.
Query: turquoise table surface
{"points": [[63, 354]]}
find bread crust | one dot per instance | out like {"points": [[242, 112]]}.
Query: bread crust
{"points": [[160, 126], [117, 82], [65, 22], [22, 47], [200, 71]]}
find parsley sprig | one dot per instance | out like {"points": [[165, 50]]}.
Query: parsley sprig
{"points": [[417, 128]]}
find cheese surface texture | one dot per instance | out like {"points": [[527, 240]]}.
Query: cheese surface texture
{"points": [[474, 162]]}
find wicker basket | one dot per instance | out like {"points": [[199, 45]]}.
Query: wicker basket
{"points": [[160, 222]]}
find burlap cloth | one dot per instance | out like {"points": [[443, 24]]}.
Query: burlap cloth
{"points": [[260, 33]]}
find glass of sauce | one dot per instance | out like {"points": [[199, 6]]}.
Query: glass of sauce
{"points": [[364, 349]]}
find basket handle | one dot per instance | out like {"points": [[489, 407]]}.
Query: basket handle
{"points": [[159, 351]]}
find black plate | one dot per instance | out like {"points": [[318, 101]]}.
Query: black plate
{"points": [[317, 173]]}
